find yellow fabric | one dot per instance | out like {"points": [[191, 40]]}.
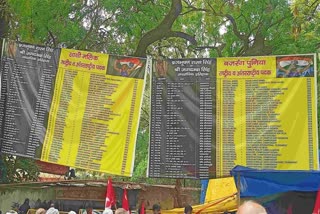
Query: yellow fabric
{"points": [[221, 196], [262, 103], [217, 206], [93, 119], [220, 188]]}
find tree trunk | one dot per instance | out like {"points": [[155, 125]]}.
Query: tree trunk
{"points": [[178, 193]]}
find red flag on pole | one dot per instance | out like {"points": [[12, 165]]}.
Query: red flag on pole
{"points": [[289, 210], [125, 201], [110, 195], [316, 209], [142, 208]]}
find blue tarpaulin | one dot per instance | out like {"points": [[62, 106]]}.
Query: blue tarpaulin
{"points": [[258, 183], [204, 186]]}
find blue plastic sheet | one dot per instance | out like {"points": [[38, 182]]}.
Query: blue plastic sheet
{"points": [[257, 183], [204, 186]]}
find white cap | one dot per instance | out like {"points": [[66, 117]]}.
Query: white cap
{"points": [[107, 211], [52, 211]]}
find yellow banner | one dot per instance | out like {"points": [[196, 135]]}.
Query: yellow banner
{"points": [[94, 116], [246, 67], [268, 122], [83, 61]]}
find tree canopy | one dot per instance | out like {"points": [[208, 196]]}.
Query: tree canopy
{"points": [[169, 28]]}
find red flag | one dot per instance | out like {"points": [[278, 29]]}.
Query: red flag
{"points": [[289, 210], [110, 195], [125, 201], [142, 208], [316, 209]]}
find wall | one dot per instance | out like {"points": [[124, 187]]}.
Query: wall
{"points": [[166, 197], [18, 194]]}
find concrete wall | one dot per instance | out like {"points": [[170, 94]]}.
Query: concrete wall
{"points": [[19, 194], [167, 197]]}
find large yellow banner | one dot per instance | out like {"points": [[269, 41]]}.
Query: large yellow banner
{"points": [[266, 113], [95, 110]]}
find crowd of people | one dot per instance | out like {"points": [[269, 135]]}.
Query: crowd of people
{"points": [[248, 207]]}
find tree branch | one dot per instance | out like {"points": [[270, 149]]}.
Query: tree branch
{"points": [[96, 15], [235, 28], [218, 48], [183, 35], [53, 39], [233, 22], [192, 8], [163, 30]]}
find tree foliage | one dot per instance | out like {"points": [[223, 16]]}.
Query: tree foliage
{"points": [[17, 169], [170, 28]]}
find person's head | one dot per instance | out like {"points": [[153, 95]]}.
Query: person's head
{"points": [[124, 67], [107, 211], [188, 209], [73, 212], [52, 211], [89, 210], [121, 211], [41, 211], [251, 207], [26, 201], [156, 209]]}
